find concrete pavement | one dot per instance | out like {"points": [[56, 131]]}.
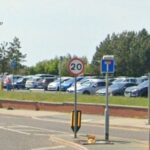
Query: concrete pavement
{"points": [[114, 143], [114, 121], [81, 141]]}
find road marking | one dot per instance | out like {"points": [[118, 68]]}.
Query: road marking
{"points": [[87, 120], [40, 134], [50, 148], [71, 144], [16, 131], [28, 130], [43, 129], [50, 120], [91, 123]]}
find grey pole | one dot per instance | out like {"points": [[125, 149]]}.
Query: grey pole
{"points": [[107, 110], [149, 99], [60, 76], [60, 62], [75, 109]]}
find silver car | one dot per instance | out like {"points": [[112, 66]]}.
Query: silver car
{"points": [[55, 85], [32, 82], [88, 87]]}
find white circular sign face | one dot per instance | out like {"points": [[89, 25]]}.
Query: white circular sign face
{"points": [[76, 66]]}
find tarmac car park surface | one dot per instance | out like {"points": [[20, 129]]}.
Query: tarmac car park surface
{"points": [[41, 130]]}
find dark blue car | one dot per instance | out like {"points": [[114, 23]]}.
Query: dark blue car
{"points": [[140, 90], [20, 83], [66, 84]]}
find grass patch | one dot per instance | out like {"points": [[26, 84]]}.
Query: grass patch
{"points": [[64, 97]]}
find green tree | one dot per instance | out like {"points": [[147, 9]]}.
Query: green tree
{"points": [[14, 54], [52, 66], [3, 57], [131, 51]]}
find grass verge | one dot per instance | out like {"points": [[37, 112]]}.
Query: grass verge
{"points": [[64, 97]]}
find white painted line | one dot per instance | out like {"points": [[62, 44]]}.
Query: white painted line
{"points": [[42, 129], [51, 120], [40, 134], [16, 131], [49, 148], [68, 143], [87, 120]]}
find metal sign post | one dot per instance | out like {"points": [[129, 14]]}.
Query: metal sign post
{"points": [[149, 99], [75, 109], [60, 62], [75, 67], [107, 109], [107, 66], [13, 66]]}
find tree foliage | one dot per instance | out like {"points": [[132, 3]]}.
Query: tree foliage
{"points": [[53, 66], [11, 57], [130, 49]]}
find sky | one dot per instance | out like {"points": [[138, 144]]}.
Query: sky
{"points": [[50, 28]]}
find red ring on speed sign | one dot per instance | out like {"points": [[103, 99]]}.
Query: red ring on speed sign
{"points": [[76, 66]]}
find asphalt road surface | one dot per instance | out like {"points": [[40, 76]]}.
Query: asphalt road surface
{"points": [[31, 132]]}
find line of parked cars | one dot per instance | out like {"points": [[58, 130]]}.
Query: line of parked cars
{"points": [[127, 86]]}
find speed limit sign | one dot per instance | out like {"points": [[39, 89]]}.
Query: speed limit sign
{"points": [[76, 66]]}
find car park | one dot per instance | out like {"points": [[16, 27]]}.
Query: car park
{"points": [[20, 83], [40, 81], [139, 90], [124, 79], [32, 82], [66, 84], [115, 89], [45, 75], [55, 85], [43, 82], [89, 86], [141, 79]]}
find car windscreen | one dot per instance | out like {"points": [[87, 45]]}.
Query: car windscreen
{"points": [[143, 84], [117, 85], [86, 83], [68, 81], [20, 80]]}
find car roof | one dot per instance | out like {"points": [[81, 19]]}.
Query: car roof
{"points": [[96, 80]]}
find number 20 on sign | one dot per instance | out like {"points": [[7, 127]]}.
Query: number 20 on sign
{"points": [[76, 66]]}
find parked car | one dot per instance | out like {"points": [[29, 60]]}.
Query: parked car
{"points": [[85, 79], [20, 83], [55, 85], [66, 84], [32, 82], [141, 79], [43, 82], [140, 90], [45, 75], [125, 79], [90, 86], [115, 89]]}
